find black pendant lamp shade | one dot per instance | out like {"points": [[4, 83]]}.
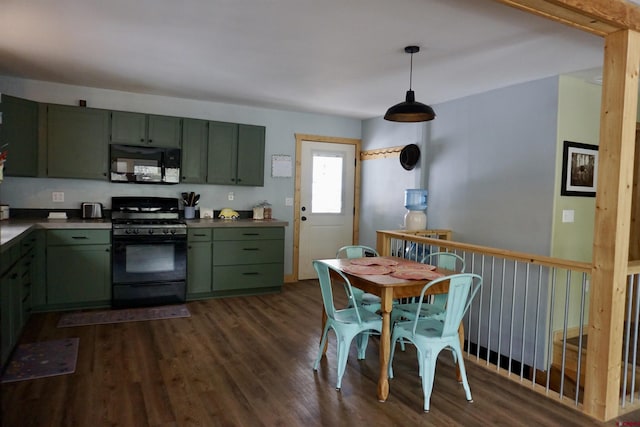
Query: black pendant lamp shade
{"points": [[410, 110]]}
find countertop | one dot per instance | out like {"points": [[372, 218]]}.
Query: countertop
{"points": [[14, 228]]}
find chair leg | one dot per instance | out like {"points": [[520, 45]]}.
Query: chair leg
{"points": [[323, 341], [362, 340], [428, 373], [343, 354], [393, 351], [463, 374]]}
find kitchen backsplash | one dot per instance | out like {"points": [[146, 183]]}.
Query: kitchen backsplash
{"points": [[37, 193]]}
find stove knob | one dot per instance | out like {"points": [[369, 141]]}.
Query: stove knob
{"points": [[165, 231], [127, 231], [151, 231], [173, 231]]}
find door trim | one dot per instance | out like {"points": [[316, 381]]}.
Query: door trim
{"points": [[296, 202]]}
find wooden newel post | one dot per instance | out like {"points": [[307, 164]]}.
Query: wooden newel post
{"points": [[612, 224]]}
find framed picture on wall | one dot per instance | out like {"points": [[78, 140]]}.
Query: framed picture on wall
{"points": [[579, 169]]}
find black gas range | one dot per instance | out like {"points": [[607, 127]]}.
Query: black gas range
{"points": [[149, 265]]}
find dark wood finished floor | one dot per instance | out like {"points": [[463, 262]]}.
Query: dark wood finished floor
{"points": [[248, 362]]}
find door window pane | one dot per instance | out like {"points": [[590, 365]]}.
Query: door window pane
{"points": [[326, 186]]}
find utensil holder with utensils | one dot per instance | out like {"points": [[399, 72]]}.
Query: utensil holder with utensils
{"points": [[190, 200]]}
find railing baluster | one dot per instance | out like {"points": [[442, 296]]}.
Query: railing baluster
{"points": [[493, 265], [550, 322], [580, 333], [564, 329], [524, 322], [513, 313], [535, 338], [635, 346], [504, 266]]}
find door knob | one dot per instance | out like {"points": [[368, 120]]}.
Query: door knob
{"points": [[304, 218]]}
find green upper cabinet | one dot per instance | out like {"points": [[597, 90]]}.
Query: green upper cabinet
{"points": [[19, 129], [236, 154], [250, 155], [145, 129], [77, 142], [194, 151]]}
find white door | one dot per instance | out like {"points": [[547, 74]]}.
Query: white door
{"points": [[327, 186]]}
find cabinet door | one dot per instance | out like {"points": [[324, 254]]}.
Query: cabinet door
{"points": [[164, 131], [19, 129], [9, 307], [199, 267], [250, 155], [223, 152], [77, 141], [128, 128], [194, 150], [78, 274]]}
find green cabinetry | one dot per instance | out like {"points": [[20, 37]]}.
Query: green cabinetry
{"points": [[248, 260], [199, 268], [236, 154], [19, 129], [78, 268], [145, 129], [17, 276], [194, 151], [77, 142]]}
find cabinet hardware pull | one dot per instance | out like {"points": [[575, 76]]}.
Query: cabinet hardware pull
{"points": [[250, 274], [199, 235], [79, 237], [250, 234], [250, 249]]}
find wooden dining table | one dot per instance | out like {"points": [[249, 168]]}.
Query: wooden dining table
{"points": [[389, 288]]}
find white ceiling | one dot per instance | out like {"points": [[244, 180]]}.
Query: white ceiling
{"points": [[343, 57]]}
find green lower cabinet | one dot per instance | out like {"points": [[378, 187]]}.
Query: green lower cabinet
{"points": [[198, 269], [78, 271], [248, 260], [252, 276], [10, 310]]}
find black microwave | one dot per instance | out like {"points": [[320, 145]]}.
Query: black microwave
{"points": [[155, 165]]}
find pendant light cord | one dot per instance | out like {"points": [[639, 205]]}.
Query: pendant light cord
{"points": [[411, 71]]}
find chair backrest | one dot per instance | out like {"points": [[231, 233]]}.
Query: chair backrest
{"points": [[446, 260], [324, 277], [462, 289], [356, 251]]}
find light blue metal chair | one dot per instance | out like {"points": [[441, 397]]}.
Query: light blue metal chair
{"points": [[444, 260], [366, 300], [348, 323], [432, 335]]}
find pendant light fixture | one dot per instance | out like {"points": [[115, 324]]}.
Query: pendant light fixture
{"points": [[410, 110]]}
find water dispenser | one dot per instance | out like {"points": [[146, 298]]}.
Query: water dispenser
{"points": [[415, 200]]}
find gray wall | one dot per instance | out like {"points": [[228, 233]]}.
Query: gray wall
{"points": [[492, 167], [280, 139], [488, 163], [384, 180]]}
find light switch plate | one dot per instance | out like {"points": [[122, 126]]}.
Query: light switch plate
{"points": [[57, 196], [230, 196], [568, 215], [288, 201]]}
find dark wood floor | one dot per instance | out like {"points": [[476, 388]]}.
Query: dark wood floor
{"points": [[248, 362]]}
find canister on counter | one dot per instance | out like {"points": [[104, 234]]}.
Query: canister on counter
{"points": [[258, 212], [267, 210]]}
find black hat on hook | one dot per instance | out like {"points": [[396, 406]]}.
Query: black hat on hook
{"points": [[409, 156], [410, 110]]}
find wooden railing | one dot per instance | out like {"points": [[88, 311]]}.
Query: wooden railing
{"points": [[528, 322]]}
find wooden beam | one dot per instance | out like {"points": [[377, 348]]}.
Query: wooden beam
{"points": [[599, 17], [612, 223]]}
